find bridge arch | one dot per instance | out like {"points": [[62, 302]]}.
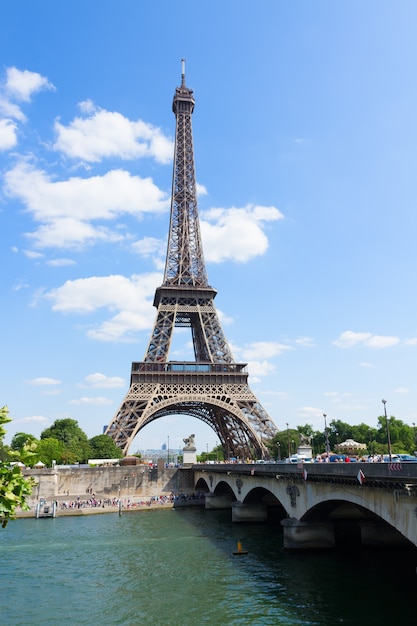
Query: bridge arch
{"points": [[265, 497]]}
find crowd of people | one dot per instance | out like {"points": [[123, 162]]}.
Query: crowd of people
{"points": [[126, 503]]}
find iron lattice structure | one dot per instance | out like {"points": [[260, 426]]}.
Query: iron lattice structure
{"points": [[212, 388]]}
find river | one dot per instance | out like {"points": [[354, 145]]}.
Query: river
{"points": [[176, 567]]}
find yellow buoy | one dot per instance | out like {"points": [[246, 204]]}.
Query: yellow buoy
{"points": [[240, 549]]}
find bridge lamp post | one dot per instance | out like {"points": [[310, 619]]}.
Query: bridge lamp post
{"points": [[279, 451], [288, 440], [326, 434], [384, 402]]}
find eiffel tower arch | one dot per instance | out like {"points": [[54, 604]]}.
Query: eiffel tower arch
{"points": [[213, 387]]}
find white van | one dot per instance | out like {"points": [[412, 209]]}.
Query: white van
{"points": [[298, 458]]}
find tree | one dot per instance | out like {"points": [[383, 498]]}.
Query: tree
{"points": [[72, 436], [103, 447], [19, 440], [285, 442], [14, 487], [50, 449]]}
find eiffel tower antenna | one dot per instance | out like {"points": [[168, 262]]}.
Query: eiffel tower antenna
{"points": [[213, 388]]}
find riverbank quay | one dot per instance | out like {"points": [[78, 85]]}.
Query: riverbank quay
{"points": [[94, 490], [135, 482]]}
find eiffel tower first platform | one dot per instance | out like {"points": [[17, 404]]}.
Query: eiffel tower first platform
{"points": [[213, 388]]}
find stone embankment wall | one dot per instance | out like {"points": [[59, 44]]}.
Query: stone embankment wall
{"points": [[62, 483]]}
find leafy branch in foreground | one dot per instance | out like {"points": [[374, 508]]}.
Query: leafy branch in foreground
{"points": [[14, 487]]}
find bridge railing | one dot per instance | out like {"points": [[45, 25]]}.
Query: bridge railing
{"points": [[406, 472]]}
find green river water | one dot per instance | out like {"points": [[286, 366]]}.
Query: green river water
{"points": [[177, 567]]}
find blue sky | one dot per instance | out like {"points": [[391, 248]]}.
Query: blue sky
{"points": [[305, 138]]}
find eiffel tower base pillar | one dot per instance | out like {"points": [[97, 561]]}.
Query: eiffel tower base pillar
{"points": [[242, 512], [307, 535]]}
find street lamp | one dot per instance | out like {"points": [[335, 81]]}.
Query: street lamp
{"points": [[279, 451], [168, 452], [384, 402], [326, 435], [288, 441]]}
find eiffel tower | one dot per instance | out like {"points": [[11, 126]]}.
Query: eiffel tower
{"points": [[213, 388]]}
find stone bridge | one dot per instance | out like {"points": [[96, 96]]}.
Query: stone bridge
{"points": [[319, 505]]}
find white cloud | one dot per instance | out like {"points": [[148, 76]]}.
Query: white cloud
{"points": [[306, 342], [263, 350], [224, 319], [200, 189], [22, 284], [349, 339], [67, 210], [31, 419], [18, 86], [22, 84], [106, 134], [32, 254], [98, 401], [148, 246], [381, 341], [98, 380], [258, 369], [44, 381], [61, 262], [236, 234], [11, 110], [8, 134], [130, 299]]}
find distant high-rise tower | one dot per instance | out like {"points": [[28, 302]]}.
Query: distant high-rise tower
{"points": [[212, 388]]}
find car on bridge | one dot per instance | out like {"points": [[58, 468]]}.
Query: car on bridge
{"points": [[407, 458], [395, 458]]}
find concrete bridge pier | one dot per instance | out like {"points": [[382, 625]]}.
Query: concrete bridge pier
{"points": [[214, 501], [307, 535], [253, 512]]}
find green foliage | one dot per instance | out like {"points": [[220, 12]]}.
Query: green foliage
{"points": [[50, 449], [4, 419], [14, 487], [103, 447], [285, 442], [403, 437], [22, 440], [77, 447]]}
